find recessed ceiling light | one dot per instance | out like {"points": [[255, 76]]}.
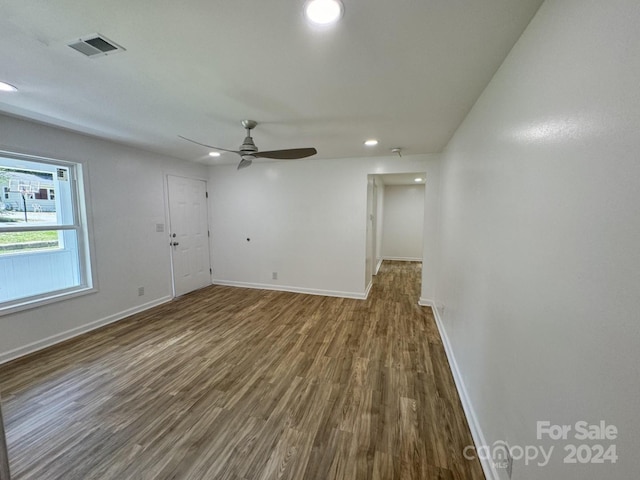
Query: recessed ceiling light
{"points": [[214, 154], [323, 12], [5, 87], [372, 142], [418, 180]]}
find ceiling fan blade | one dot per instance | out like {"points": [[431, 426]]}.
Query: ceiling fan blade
{"points": [[290, 154], [208, 146], [245, 162]]}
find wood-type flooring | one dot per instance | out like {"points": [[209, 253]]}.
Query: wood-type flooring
{"points": [[231, 383]]}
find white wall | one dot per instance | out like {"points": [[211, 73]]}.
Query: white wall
{"points": [[403, 222], [126, 197], [540, 227], [306, 220]]}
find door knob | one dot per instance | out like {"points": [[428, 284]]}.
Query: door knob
{"points": [[174, 244]]}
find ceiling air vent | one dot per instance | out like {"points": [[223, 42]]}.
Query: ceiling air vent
{"points": [[96, 45]]}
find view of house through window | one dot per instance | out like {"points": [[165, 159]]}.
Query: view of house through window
{"points": [[42, 235], [26, 201]]}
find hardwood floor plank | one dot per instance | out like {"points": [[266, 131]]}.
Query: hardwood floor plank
{"points": [[4, 459], [238, 384]]}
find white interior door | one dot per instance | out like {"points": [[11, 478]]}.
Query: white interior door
{"points": [[189, 231]]}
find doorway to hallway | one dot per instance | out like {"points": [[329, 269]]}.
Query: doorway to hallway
{"points": [[395, 220]]}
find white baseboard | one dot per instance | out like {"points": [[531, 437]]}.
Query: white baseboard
{"points": [[425, 302], [489, 469], [379, 265], [285, 288], [366, 293], [74, 332], [403, 259]]}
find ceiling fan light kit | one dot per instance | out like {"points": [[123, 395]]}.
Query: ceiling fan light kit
{"points": [[249, 152]]}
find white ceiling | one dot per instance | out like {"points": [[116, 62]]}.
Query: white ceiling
{"points": [[405, 72]]}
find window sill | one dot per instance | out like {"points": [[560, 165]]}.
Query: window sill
{"points": [[15, 306]]}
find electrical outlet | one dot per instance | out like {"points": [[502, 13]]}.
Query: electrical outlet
{"points": [[140, 291], [274, 275]]}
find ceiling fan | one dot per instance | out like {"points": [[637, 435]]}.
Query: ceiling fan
{"points": [[248, 150]]}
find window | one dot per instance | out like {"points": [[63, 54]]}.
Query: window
{"points": [[44, 253]]}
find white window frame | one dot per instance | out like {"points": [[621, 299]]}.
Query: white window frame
{"points": [[80, 224]]}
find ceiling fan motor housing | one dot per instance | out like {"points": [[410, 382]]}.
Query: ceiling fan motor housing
{"points": [[248, 146]]}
